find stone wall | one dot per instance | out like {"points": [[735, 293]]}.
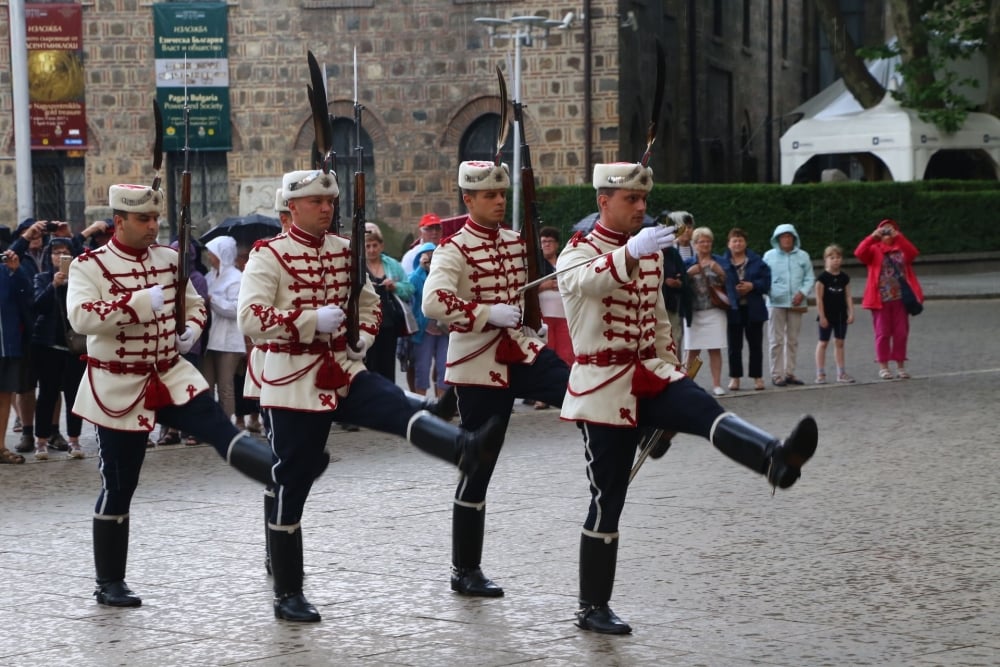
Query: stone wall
{"points": [[427, 72]]}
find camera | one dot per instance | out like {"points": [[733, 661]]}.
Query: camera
{"points": [[51, 226], [885, 231]]}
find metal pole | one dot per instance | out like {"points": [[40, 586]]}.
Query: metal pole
{"points": [[515, 206], [22, 124]]}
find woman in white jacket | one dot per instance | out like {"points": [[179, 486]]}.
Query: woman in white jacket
{"points": [[225, 346]]}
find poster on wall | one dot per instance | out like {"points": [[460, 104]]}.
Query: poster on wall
{"points": [[192, 69], [56, 107]]}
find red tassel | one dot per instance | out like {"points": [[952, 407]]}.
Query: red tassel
{"points": [[509, 352], [330, 375], [157, 395], [646, 383]]}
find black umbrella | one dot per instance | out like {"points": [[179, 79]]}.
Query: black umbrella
{"points": [[244, 228], [586, 223]]}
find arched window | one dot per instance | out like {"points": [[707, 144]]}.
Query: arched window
{"points": [[345, 143], [479, 142]]}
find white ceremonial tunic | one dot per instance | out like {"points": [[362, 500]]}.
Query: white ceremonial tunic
{"points": [[471, 270], [129, 346], [619, 327], [285, 280]]}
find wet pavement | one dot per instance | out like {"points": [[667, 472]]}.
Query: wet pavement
{"points": [[884, 553]]}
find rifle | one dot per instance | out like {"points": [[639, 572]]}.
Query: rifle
{"points": [[323, 155], [184, 226], [534, 260], [358, 274]]}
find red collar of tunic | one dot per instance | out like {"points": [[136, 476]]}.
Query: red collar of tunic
{"points": [[604, 234], [489, 233], [133, 253], [304, 237]]}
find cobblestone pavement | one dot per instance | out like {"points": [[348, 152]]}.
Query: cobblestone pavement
{"points": [[885, 553]]}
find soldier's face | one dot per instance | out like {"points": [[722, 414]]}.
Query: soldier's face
{"points": [[137, 230], [486, 207], [312, 214], [623, 210]]}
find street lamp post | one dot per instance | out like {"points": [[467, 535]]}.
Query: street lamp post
{"points": [[521, 30]]}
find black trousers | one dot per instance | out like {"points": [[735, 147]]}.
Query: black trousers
{"points": [[122, 452], [299, 438], [545, 381], [683, 407], [381, 356], [754, 333], [59, 371]]}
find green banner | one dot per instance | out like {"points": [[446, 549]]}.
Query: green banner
{"points": [[192, 69]]}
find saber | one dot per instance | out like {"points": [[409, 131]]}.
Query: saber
{"points": [[653, 443], [661, 76], [679, 229]]}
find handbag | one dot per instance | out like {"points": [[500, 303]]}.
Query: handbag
{"points": [[409, 320], [719, 297], [76, 343], [910, 301]]}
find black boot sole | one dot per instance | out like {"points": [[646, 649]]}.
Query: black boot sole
{"points": [[799, 447]]}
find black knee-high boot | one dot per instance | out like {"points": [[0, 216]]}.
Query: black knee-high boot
{"points": [[268, 506], [465, 449], [445, 407], [253, 457], [468, 524], [762, 452], [110, 556], [286, 564], [598, 560]]}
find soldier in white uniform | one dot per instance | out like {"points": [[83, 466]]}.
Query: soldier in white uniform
{"points": [[123, 297], [290, 303], [627, 378], [473, 287]]}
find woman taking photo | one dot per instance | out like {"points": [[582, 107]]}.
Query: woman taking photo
{"points": [[748, 279], [708, 322], [889, 257], [389, 280]]}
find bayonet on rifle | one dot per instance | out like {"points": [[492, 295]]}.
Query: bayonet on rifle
{"points": [[184, 226], [534, 259], [358, 273], [157, 144]]}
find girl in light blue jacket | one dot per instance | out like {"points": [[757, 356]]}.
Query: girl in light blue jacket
{"points": [[791, 282]]}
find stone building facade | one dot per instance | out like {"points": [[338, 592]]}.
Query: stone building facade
{"points": [[429, 91]]}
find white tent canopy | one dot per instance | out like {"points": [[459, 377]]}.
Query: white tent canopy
{"points": [[895, 135]]}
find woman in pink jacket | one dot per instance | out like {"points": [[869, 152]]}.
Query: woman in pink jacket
{"points": [[888, 255]]}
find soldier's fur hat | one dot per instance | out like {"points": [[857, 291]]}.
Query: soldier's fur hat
{"points": [[623, 175], [296, 184], [136, 199], [476, 175]]}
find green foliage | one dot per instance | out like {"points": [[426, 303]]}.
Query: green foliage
{"points": [[938, 216], [953, 30]]}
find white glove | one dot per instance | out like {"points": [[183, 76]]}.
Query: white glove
{"points": [[504, 316], [186, 340], [543, 331], [650, 240], [329, 318], [156, 298], [360, 354]]}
